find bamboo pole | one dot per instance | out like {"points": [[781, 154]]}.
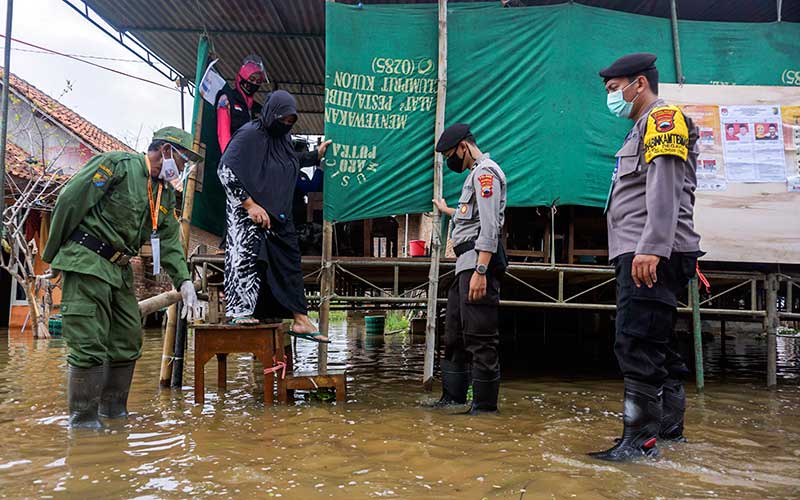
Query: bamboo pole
{"points": [[162, 300], [186, 212], [158, 302], [326, 292], [436, 240], [168, 350]]}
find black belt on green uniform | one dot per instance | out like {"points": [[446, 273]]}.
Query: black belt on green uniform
{"points": [[463, 248], [101, 248]]}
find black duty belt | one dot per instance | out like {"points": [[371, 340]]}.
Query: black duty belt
{"points": [[463, 248], [101, 248]]}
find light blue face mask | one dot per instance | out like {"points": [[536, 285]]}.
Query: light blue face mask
{"points": [[618, 105]]}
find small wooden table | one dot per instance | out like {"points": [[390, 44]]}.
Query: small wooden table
{"points": [[306, 381], [261, 340]]}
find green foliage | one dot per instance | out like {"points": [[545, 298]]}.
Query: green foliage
{"points": [[335, 316], [396, 320]]}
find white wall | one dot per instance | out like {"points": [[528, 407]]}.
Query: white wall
{"points": [[45, 140], [747, 222]]}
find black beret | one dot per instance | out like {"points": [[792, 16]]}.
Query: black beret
{"points": [[630, 64], [451, 136]]}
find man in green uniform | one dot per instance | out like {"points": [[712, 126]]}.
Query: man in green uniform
{"points": [[104, 214]]}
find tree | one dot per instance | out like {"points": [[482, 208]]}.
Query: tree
{"points": [[34, 191]]}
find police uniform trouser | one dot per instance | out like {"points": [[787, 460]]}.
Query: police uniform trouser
{"points": [[646, 344], [101, 323], [471, 333]]}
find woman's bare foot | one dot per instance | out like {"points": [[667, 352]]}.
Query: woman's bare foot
{"points": [[244, 321], [302, 324]]}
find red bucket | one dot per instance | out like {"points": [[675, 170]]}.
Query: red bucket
{"points": [[417, 248]]}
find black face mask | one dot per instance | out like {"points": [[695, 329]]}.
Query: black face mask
{"points": [[279, 129], [455, 163], [249, 88]]}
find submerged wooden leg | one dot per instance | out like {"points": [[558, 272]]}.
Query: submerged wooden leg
{"points": [[341, 389], [282, 391], [200, 360], [222, 371], [269, 377]]}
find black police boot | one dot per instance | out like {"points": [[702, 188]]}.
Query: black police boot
{"points": [[641, 422], [117, 384], [83, 396], [455, 384], [673, 404], [485, 389]]}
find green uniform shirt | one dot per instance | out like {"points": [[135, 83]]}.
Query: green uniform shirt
{"points": [[108, 199]]}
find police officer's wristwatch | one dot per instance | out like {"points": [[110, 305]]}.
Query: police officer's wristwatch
{"points": [[481, 269]]}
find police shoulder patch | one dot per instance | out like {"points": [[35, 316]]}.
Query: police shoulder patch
{"points": [[486, 181], [666, 134]]}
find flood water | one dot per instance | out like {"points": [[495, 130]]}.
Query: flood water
{"points": [[744, 439]]}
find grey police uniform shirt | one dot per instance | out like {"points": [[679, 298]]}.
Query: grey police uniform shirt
{"points": [[480, 212], [651, 205]]}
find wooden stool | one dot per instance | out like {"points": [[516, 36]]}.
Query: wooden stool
{"points": [[261, 340], [335, 379]]}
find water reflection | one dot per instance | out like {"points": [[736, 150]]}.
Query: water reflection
{"points": [[745, 440]]}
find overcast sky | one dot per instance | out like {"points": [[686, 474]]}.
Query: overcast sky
{"points": [[119, 105]]}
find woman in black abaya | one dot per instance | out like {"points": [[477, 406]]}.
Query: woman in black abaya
{"points": [[259, 171]]}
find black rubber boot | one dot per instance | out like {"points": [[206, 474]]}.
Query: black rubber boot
{"points": [[117, 384], [83, 396], [455, 384], [641, 422], [485, 390], [673, 404]]}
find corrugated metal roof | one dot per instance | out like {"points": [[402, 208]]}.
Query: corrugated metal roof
{"points": [[289, 35]]}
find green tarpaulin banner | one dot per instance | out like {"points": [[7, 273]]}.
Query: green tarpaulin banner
{"points": [[380, 94], [524, 78], [209, 204]]}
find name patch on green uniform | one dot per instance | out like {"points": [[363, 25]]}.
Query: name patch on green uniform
{"points": [[102, 175], [99, 179]]}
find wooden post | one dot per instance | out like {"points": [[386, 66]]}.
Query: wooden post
{"points": [[325, 291], [186, 212], [167, 351], [436, 240], [694, 298], [772, 322]]}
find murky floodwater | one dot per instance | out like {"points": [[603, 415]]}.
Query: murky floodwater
{"points": [[745, 440]]}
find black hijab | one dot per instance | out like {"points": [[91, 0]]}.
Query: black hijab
{"points": [[265, 165]]}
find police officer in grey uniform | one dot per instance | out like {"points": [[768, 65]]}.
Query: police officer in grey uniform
{"points": [[471, 335], [654, 248]]}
